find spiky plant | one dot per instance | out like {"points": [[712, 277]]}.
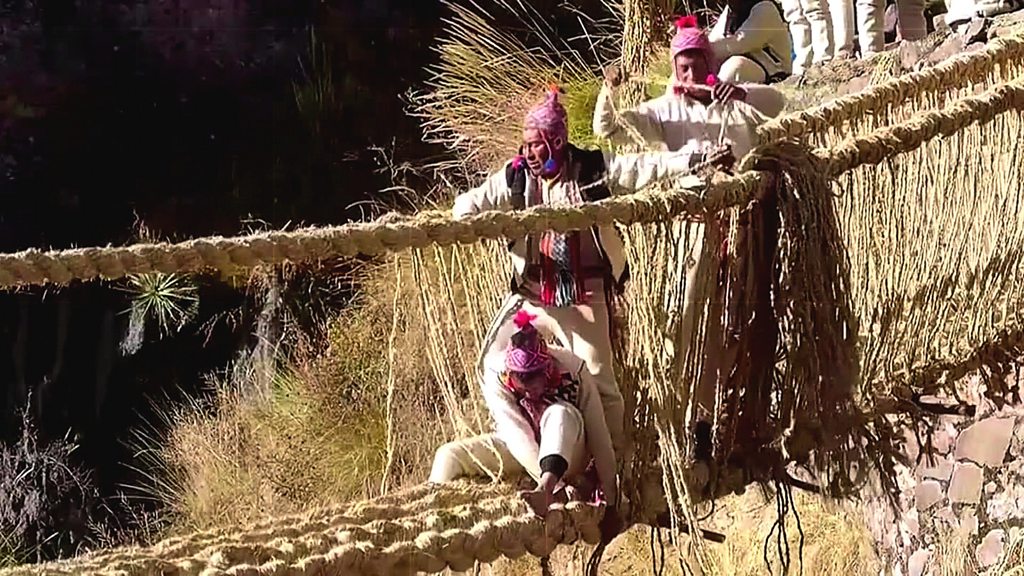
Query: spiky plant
{"points": [[169, 300]]}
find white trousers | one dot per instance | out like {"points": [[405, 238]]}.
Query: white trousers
{"points": [[561, 432], [811, 29], [961, 11], [740, 69], [958, 11], [870, 18], [584, 330]]}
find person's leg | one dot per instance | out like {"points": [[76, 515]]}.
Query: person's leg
{"points": [[740, 69], [563, 454], [870, 26], [993, 8], [480, 456], [701, 282], [563, 438], [549, 322], [819, 20], [842, 15], [800, 31], [910, 21], [589, 336], [959, 12]]}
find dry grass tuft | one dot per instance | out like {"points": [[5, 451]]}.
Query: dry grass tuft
{"points": [[488, 76], [320, 436]]}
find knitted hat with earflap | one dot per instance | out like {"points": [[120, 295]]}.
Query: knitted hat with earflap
{"points": [[551, 119], [689, 37], [527, 352]]}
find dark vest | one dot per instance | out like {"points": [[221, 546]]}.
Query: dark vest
{"points": [[591, 169]]}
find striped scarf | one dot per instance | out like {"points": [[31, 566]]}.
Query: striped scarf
{"points": [[561, 277], [561, 281]]}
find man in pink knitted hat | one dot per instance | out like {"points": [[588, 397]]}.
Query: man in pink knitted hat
{"points": [[567, 280], [703, 116], [696, 104], [549, 423]]}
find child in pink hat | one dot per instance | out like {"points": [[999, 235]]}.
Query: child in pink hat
{"points": [[549, 422]]}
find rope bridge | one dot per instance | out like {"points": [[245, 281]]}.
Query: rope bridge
{"points": [[893, 272]]}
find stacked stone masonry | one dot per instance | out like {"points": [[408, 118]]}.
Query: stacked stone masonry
{"points": [[965, 503]]}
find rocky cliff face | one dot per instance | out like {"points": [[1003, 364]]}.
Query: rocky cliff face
{"points": [[962, 502]]}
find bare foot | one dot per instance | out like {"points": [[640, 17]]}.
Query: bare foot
{"points": [[562, 496], [538, 501]]}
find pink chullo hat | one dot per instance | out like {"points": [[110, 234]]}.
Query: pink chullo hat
{"points": [[527, 352], [689, 37], [549, 116]]}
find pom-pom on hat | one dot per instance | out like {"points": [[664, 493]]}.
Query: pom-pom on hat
{"points": [[527, 352]]}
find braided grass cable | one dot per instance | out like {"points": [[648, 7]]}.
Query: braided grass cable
{"points": [[292, 543], [889, 142], [433, 502], [389, 234], [961, 70], [454, 538]]}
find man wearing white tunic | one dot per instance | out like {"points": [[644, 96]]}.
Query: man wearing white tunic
{"points": [[690, 116], [699, 115], [567, 280]]}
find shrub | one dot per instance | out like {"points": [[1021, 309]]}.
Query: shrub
{"points": [[45, 497], [319, 434]]}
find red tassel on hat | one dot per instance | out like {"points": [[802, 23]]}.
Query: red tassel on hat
{"points": [[689, 21], [523, 319]]}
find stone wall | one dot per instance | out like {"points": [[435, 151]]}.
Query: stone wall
{"points": [[965, 505]]}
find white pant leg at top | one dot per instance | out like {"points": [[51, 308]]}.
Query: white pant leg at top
{"points": [[479, 456], [800, 32], [843, 36], [820, 21], [871, 26], [811, 30], [740, 69]]}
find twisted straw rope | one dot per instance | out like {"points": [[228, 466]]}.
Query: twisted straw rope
{"points": [[421, 502], [430, 542], [390, 234], [957, 71], [891, 141]]}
